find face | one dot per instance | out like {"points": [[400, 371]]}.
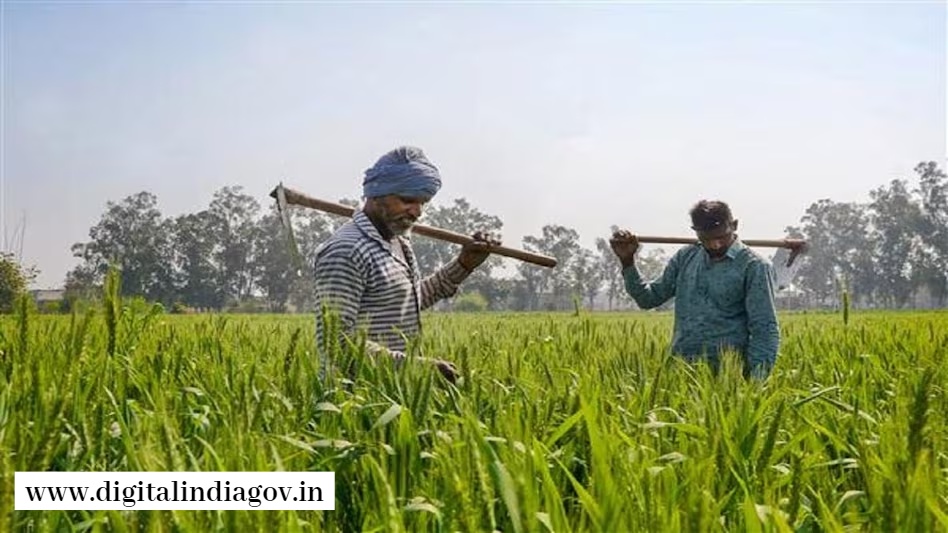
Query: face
{"points": [[399, 213], [717, 241]]}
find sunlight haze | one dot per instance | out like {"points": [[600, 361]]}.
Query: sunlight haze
{"points": [[586, 116]]}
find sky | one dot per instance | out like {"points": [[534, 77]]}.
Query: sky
{"points": [[583, 115]]}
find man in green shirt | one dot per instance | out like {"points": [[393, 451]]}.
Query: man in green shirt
{"points": [[724, 292]]}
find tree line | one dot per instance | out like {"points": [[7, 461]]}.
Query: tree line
{"points": [[891, 251], [234, 255]]}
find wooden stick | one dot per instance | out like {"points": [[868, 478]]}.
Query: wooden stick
{"points": [[297, 198], [779, 243], [796, 246]]}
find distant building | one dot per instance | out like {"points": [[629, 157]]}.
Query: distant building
{"points": [[48, 295]]}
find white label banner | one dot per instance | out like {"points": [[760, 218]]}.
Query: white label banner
{"points": [[155, 491]]}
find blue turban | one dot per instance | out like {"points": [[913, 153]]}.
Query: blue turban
{"points": [[404, 171]]}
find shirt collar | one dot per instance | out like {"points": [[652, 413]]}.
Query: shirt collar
{"points": [[365, 225], [732, 252], [735, 248]]}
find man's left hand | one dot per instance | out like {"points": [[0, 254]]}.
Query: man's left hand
{"points": [[473, 254]]}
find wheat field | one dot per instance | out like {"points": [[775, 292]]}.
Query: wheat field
{"points": [[562, 422]]}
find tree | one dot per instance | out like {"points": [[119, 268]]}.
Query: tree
{"points": [[610, 270], [651, 263], [14, 279], [194, 241], [563, 244], [472, 302], [132, 235], [276, 268], [336, 222], [839, 246], [80, 286], [933, 260], [311, 229], [587, 276], [461, 217], [896, 219], [235, 214], [527, 289]]}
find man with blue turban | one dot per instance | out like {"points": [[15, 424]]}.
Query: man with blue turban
{"points": [[366, 272]]}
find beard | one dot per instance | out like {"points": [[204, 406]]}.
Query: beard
{"points": [[401, 226]]}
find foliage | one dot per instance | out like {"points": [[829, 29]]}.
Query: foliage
{"points": [[470, 302], [195, 243], [133, 236], [560, 283], [891, 251], [234, 214], [888, 251], [461, 217], [14, 279]]}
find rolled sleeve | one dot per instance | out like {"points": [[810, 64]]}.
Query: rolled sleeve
{"points": [[443, 283], [654, 294]]}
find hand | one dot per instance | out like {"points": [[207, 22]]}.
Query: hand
{"points": [[473, 254], [447, 370], [624, 244]]}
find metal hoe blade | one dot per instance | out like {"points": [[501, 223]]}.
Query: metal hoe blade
{"points": [[283, 210], [786, 263]]}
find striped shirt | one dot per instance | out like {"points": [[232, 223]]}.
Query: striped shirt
{"points": [[363, 277], [718, 304]]}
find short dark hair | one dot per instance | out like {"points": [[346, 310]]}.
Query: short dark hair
{"points": [[707, 215]]}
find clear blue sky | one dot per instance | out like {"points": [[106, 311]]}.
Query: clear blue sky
{"points": [[582, 115]]}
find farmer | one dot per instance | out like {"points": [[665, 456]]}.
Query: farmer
{"points": [[724, 292], [367, 273]]}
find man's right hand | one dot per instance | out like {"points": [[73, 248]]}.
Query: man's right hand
{"points": [[447, 369], [624, 244]]}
